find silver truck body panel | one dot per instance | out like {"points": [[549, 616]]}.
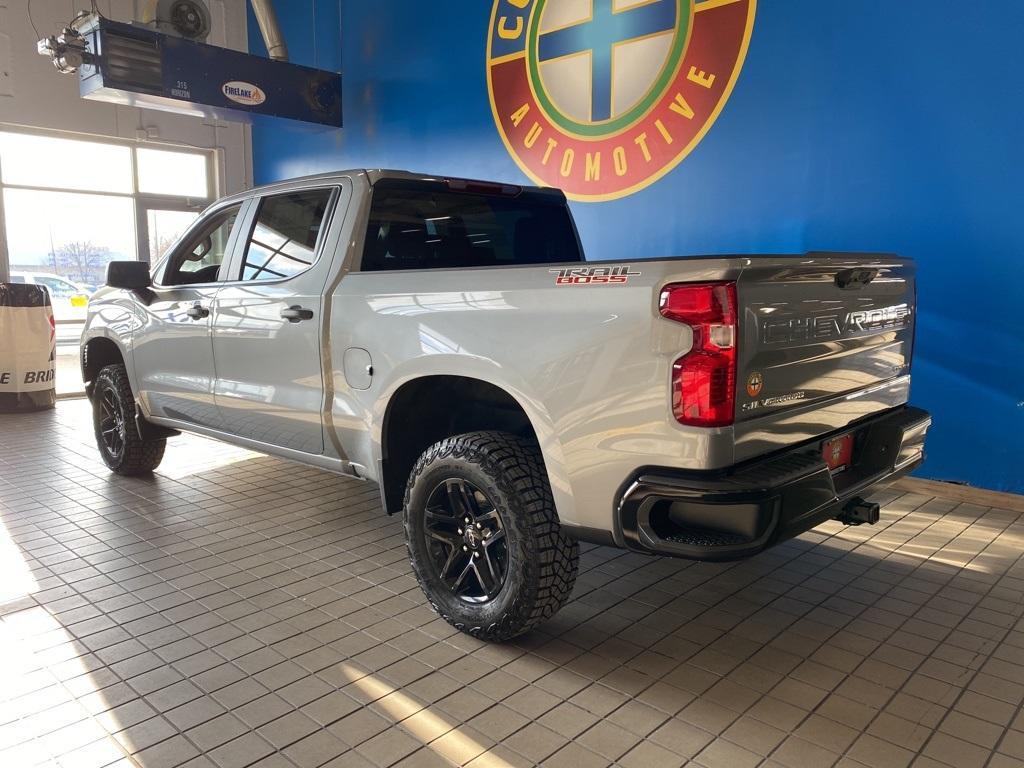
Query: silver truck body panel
{"points": [[173, 357]]}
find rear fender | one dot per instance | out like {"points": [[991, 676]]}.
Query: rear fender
{"points": [[490, 373]]}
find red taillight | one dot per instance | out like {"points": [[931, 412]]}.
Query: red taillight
{"points": [[704, 379]]}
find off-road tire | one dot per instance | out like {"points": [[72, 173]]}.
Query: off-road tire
{"points": [[542, 560], [139, 456]]}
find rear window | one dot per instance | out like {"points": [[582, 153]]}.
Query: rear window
{"points": [[425, 225], [284, 237]]}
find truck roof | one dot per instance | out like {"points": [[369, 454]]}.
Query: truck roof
{"points": [[373, 175]]}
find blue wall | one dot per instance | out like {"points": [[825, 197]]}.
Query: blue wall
{"points": [[895, 126]]}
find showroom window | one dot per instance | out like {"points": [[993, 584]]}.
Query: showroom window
{"points": [[70, 205]]}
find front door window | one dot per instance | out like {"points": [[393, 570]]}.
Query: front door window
{"points": [[200, 257]]}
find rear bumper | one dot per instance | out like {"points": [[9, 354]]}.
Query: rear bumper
{"points": [[738, 512]]}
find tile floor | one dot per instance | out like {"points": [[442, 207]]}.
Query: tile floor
{"points": [[237, 610]]}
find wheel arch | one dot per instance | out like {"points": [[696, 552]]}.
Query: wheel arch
{"points": [[97, 353], [457, 404]]}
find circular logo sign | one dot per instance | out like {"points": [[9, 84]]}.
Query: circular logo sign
{"points": [[755, 382], [603, 97]]}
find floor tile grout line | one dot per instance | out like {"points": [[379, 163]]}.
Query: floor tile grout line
{"points": [[809, 614], [896, 692]]}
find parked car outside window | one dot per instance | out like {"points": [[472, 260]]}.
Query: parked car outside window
{"points": [[69, 299]]}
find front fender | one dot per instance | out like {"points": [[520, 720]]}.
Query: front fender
{"points": [[112, 319]]}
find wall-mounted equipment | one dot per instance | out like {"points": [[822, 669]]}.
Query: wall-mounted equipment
{"points": [[138, 66], [179, 18]]}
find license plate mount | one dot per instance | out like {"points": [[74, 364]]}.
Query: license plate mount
{"points": [[838, 452]]}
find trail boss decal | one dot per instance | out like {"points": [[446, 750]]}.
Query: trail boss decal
{"points": [[593, 275], [241, 92], [603, 97]]}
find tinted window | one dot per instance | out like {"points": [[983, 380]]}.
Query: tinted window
{"points": [[199, 258], [420, 225], [17, 279], [284, 237]]}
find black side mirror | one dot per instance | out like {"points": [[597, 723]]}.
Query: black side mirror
{"points": [[132, 275]]}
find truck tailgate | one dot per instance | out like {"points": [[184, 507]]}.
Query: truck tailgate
{"points": [[816, 329]]}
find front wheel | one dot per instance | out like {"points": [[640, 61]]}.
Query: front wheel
{"points": [[483, 535], [117, 436]]}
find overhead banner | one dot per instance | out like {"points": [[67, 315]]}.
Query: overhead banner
{"points": [[603, 97]]}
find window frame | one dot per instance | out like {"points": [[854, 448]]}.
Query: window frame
{"points": [[255, 202]]}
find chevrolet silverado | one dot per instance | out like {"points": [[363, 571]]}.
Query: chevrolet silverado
{"points": [[447, 340]]}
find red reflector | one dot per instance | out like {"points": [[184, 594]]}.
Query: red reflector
{"points": [[704, 379]]}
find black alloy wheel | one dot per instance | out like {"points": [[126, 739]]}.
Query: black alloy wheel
{"points": [[466, 540], [111, 424]]}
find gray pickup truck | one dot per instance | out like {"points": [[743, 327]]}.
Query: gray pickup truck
{"points": [[446, 339]]}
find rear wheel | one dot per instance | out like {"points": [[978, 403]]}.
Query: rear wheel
{"points": [[483, 536], [117, 436]]}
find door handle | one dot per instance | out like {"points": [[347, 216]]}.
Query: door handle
{"points": [[197, 312], [296, 314]]}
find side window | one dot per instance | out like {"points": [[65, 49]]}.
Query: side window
{"points": [[284, 236], [199, 258]]}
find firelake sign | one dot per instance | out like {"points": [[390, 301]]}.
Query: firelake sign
{"points": [[603, 97]]}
